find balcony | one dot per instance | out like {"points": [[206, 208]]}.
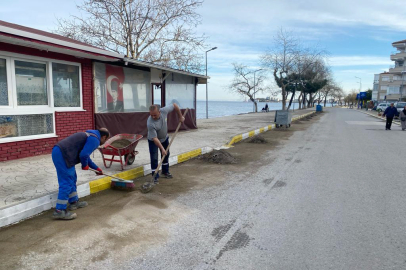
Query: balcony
{"points": [[394, 69], [397, 55]]}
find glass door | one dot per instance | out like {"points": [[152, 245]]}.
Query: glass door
{"points": [[158, 94]]}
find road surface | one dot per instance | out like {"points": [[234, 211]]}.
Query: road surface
{"points": [[329, 193]]}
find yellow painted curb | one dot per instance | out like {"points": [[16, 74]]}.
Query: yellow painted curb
{"points": [[131, 174], [99, 184], [235, 139], [251, 133], [188, 155]]}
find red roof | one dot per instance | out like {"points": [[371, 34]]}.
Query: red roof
{"points": [[43, 33]]}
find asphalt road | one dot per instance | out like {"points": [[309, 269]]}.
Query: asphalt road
{"points": [[327, 194], [334, 198]]}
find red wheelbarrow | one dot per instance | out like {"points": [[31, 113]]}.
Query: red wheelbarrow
{"points": [[127, 151]]}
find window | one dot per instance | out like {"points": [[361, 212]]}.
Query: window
{"points": [[26, 125], [393, 90], [3, 84], [384, 87], [31, 83], [120, 89], [31, 90], [65, 79], [180, 89], [385, 78]]}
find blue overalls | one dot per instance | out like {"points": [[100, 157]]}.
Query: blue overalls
{"points": [[65, 155]]}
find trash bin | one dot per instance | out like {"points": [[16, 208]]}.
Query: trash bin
{"points": [[319, 108], [283, 118]]}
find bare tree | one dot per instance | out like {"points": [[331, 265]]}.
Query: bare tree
{"points": [[159, 31], [244, 84], [281, 59], [351, 97], [339, 95], [294, 67]]}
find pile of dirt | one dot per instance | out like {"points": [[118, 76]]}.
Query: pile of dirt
{"points": [[121, 143], [219, 157], [258, 139]]}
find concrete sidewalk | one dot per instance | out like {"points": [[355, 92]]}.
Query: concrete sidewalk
{"points": [[25, 179]]}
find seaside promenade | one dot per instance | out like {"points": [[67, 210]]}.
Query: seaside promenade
{"points": [[24, 180]]}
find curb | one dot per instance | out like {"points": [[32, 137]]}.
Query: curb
{"points": [[19, 212], [252, 133]]}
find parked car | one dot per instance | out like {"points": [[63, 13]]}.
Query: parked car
{"points": [[382, 106], [400, 106]]}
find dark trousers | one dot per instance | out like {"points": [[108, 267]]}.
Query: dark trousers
{"points": [[389, 122], [153, 153]]}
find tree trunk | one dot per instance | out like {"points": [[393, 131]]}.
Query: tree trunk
{"points": [[284, 97], [300, 101], [291, 99]]}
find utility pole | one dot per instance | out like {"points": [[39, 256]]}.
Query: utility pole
{"points": [[359, 95], [207, 89]]}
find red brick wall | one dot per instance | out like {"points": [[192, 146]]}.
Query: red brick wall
{"points": [[66, 123]]}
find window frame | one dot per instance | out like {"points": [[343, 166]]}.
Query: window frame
{"points": [[14, 80], [14, 109], [10, 57], [9, 81]]}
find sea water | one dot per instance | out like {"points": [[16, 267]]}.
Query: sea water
{"points": [[226, 108]]}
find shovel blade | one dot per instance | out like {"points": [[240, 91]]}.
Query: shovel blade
{"points": [[147, 187]]}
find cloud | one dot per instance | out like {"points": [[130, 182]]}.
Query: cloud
{"points": [[340, 61]]}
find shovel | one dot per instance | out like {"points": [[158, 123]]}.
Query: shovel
{"points": [[147, 186]]}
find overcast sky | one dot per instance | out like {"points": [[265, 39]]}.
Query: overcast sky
{"points": [[358, 33]]}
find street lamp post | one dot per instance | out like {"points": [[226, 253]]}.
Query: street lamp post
{"points": [[254, 86], [359, 95], [207, 89], [401, 86]]}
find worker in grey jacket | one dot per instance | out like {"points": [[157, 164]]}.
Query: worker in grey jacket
{"points": [[158, 136]]}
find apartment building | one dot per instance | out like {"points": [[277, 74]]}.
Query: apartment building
{"points": [[391, 86]]}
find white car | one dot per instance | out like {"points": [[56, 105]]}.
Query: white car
{"points": [[382, 106], [400, 106]]}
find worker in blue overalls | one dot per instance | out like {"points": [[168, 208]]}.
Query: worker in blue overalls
{"points": [[66, 154]]}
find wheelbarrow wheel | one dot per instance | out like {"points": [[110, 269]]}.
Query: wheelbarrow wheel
{"points": [[131, 158]]}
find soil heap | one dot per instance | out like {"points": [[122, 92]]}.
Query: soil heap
{"points": [[219, 157], [258, 139]]}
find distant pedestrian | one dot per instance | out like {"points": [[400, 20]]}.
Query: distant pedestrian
{"points": [[403, 118], [390, 112], [266, 107]]}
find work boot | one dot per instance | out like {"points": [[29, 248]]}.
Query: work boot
{"points": [[167, 175], [63, 214], [77, 204]]}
